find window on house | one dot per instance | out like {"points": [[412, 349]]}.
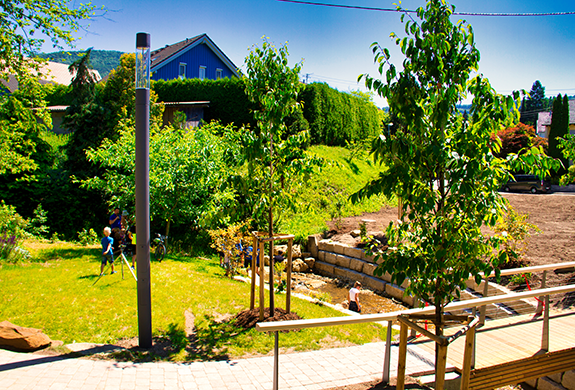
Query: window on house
{"points": [[202, 72], [182, 72], [219, 74]]}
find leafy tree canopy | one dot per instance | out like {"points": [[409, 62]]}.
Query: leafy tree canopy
{"points": [[27, 25], [274, 158], [440, 166], [187, 172]]}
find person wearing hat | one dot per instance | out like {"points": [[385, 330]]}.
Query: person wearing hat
{"points": [[124, 222], [116, 219]]}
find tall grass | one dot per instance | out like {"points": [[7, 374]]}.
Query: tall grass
{"points": [[326, 195], [57, 293]]}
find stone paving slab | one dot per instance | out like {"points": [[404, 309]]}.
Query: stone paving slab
{"points": [[313, 370]]}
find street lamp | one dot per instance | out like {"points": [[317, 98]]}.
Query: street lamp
{"points": [[143, 188]]}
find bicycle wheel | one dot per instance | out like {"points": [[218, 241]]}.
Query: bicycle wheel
{"points": [[160, 252]]}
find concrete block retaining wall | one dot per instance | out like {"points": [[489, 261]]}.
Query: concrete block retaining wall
{"points": [[352, 264]]}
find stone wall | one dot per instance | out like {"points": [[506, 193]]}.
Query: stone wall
{"points": [[339, 260], [559, 381]]}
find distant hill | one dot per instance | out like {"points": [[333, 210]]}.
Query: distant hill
{"points": [[101, 60]]}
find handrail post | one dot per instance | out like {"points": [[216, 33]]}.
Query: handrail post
{"points": [[468, 358], [545, 336], [473, 350], [276, 361], [539, 309], [483, 309], [387, 357], [402, 357]]}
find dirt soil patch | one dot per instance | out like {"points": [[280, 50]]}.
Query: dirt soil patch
{"points": [[553, 213], [248, 318]]}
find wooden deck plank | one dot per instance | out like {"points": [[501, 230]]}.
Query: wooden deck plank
{"points": [[505, 340]]}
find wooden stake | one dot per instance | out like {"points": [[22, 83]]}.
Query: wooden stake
{"points": [[262, 281], [288, 275], [402, 357]]}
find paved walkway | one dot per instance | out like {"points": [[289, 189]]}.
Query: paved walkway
{"points": [[306, 370]]}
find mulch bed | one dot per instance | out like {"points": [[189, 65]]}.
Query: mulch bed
{"points": [[248, 318]]}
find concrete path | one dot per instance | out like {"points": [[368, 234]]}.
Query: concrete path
{"points": [[306, 370]]}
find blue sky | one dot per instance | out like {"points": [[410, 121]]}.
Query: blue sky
{"points": [[335, 43]]}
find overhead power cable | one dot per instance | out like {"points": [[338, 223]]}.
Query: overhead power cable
{"points": [[412, 11]]}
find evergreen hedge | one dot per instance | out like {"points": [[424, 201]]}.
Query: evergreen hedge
{"points": [[228, 101], [333, 117]]}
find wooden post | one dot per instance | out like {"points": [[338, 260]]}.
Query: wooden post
{"points": [[288, 275], [402, 357], [440, 366], [253, 267], [483, 308], [262, 281], [467, 358], [271, 277]]}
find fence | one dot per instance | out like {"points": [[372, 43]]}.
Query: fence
{"points": [[542, 294]]}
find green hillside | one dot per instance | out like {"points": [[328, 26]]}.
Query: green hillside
{"points": [[101, 60], [325, 196]]}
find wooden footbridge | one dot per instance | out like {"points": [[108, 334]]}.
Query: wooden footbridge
{"points": [[491, 355], [509, 351]]}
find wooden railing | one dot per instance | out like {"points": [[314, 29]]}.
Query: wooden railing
{"points": [[544, 293]]}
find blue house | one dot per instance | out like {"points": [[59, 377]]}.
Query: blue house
{"points": [[196, 57]]}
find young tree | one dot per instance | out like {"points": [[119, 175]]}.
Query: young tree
{"points": [[441, 167], [274, 158]]}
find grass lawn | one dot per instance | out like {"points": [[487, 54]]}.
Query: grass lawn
{"points": [[55, 292]]}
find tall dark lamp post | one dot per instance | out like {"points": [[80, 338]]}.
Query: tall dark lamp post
{"points": [[143, 43]]}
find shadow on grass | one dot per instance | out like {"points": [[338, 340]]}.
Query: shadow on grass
{"points": [[353, 166], [207, 343], [65, 254]]}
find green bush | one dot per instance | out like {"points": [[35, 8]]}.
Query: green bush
{"points": [[11, 223], [87, 237]]}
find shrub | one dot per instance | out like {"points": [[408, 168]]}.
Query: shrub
{"points": [[515, 231], [228, 242], [87, 237], [11, 223]]}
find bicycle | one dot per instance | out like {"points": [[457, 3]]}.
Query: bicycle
{"points": [[159, 245]]}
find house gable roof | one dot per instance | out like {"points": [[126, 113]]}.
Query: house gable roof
{"points": [[51, 73], [164, 55]]}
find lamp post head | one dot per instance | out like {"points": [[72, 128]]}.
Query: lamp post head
{"points": [[143, 60]]}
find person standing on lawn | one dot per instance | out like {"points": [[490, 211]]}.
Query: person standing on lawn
{"points": [[354, 298], [116, 219], [107, 251]]}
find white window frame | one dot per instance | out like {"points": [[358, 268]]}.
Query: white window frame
{"points": [[202, 73], [219, 73], [183, 66]]}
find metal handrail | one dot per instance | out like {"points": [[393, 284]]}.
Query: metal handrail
{"points": [[278, 326], [382, 317]]}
